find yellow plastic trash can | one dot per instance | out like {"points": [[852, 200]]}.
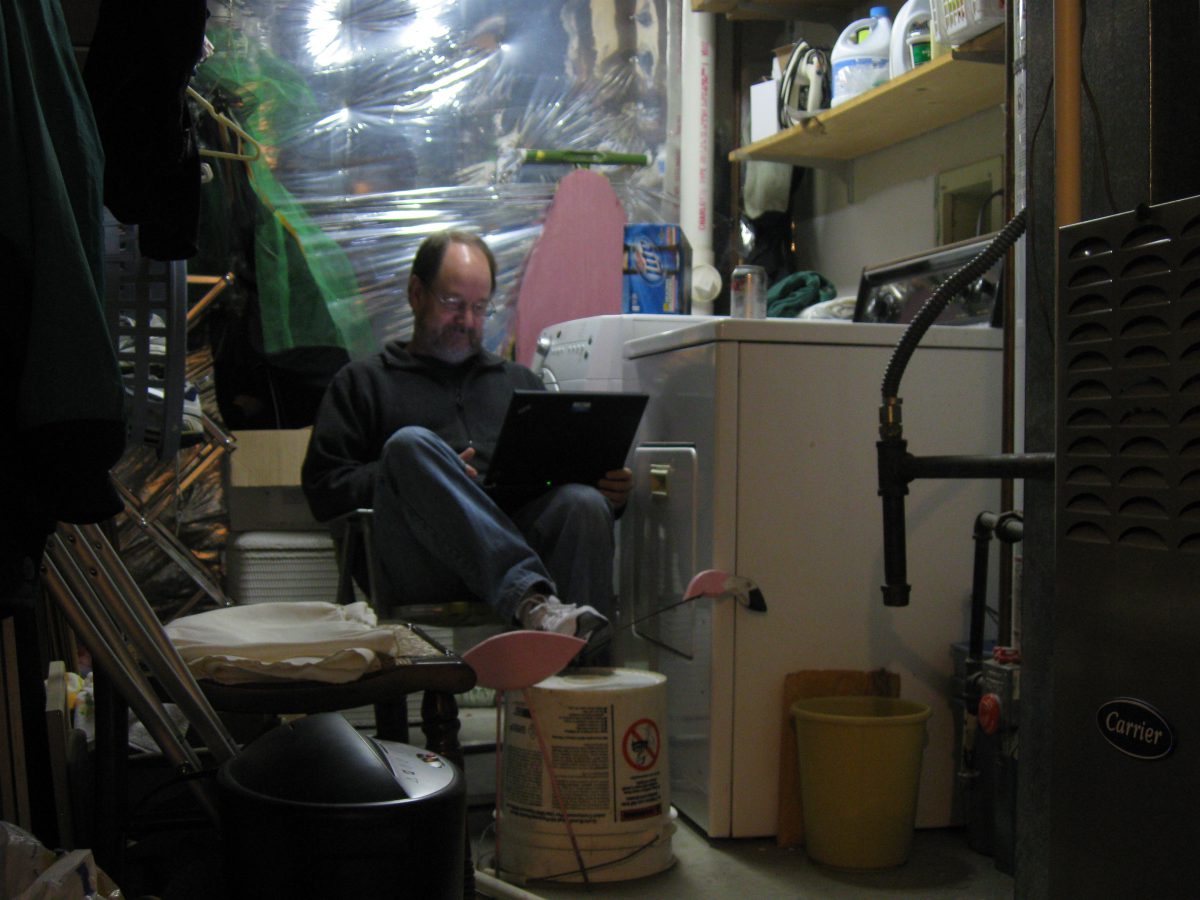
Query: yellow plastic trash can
{"points": [[860, 769]]}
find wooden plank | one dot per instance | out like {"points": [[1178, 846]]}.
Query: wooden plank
{"points": [[816, 683], [58, 727], [16, 729], [8, 789]]}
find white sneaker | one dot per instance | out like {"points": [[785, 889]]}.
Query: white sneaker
{"points": [[539, 612]]}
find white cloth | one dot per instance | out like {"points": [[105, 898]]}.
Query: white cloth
{"points": [[767, 188], [310, 640]]}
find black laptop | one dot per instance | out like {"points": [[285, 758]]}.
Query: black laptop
{"points": [[558, 437]]}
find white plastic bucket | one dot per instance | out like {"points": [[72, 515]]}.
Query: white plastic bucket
{"points": [[861, 57], [607, 857], [604, 732]]}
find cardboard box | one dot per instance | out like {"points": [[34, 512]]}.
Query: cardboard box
{"points": [[764, 109], [268, 458], [264, 482], [657, 270]]}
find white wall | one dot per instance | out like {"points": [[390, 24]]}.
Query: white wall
{"points": [[883, 205]]}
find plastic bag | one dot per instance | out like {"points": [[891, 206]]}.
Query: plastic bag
{"points": [[28, 871]]}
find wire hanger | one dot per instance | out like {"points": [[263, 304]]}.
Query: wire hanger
{"points": [[225, 122]]}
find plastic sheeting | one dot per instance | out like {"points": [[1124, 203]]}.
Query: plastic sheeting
{"points": [[384, 120]]}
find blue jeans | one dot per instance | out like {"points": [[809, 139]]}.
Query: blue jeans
{"points": [[439, 536]]}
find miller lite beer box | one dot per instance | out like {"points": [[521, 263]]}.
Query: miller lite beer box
{"points": [[657, 269]]}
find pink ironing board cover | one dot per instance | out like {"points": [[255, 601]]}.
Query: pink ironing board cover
{"points": [[574, 270]]}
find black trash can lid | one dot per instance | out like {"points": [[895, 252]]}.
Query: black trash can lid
{"points": [[322, 760]]}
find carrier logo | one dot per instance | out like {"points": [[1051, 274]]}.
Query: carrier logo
{"points": [[647, 261], [1135, 728]]}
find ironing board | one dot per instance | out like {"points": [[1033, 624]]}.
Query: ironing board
{"points": [[574, 269]]}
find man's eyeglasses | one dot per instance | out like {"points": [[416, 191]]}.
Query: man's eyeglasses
{"points": [[482, 310]]}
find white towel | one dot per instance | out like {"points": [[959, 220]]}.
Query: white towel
{"points": [[309, 640]]}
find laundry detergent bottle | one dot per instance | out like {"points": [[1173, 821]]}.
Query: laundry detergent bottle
{"points": [[862, 56], [910, 37]]}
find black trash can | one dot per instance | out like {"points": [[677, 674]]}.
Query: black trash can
{"points": [[315, 809]]}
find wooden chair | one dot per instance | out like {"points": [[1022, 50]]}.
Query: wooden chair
{"points": [[439, 675], [358, 565]]}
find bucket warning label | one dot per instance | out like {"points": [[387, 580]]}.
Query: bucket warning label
{"points": [[609, 766], [641, 744]]}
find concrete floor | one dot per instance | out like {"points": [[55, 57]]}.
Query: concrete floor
{"points": [[183, 865], [941, 865]]}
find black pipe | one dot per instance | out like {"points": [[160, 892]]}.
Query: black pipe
{"points": [[1002, 465], [1010, 528], [895, 465], [897, 468], [892, 454]]}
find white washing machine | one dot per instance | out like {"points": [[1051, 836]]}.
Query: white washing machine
{"points": [[757, 456]]}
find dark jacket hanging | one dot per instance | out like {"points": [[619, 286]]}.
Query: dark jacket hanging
{"points": [[141, 57]]}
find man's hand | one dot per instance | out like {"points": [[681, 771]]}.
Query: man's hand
{"points": [[615, 486], [466, 456]]}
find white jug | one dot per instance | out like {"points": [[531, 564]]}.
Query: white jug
{"points": [[912, 16], [861, 56]]}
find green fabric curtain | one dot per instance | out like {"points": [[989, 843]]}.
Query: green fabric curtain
{"points": [[307, 289]]}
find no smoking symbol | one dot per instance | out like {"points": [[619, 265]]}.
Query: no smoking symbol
{"points": [[641, 744]]}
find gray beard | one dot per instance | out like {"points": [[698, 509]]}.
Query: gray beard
{"points": [[432, 344]]}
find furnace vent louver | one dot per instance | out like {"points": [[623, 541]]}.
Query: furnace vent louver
{"points": [[1129, 380], [1127, 555]]}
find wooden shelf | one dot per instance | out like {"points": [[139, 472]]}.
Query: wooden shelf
{"points": [[943, 90]]}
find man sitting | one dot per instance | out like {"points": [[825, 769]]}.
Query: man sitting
{"points": [[410, 431]]}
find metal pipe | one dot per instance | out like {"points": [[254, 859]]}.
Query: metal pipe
{"points": [[128, 605], [587, 157], [892, 455], [67, 584], [1002, 465], [897, 467], [1009, 528], [985, 522], [1008, 379], [696, 152]]}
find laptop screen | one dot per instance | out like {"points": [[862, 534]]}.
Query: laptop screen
{"points": [[559, 437]]}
